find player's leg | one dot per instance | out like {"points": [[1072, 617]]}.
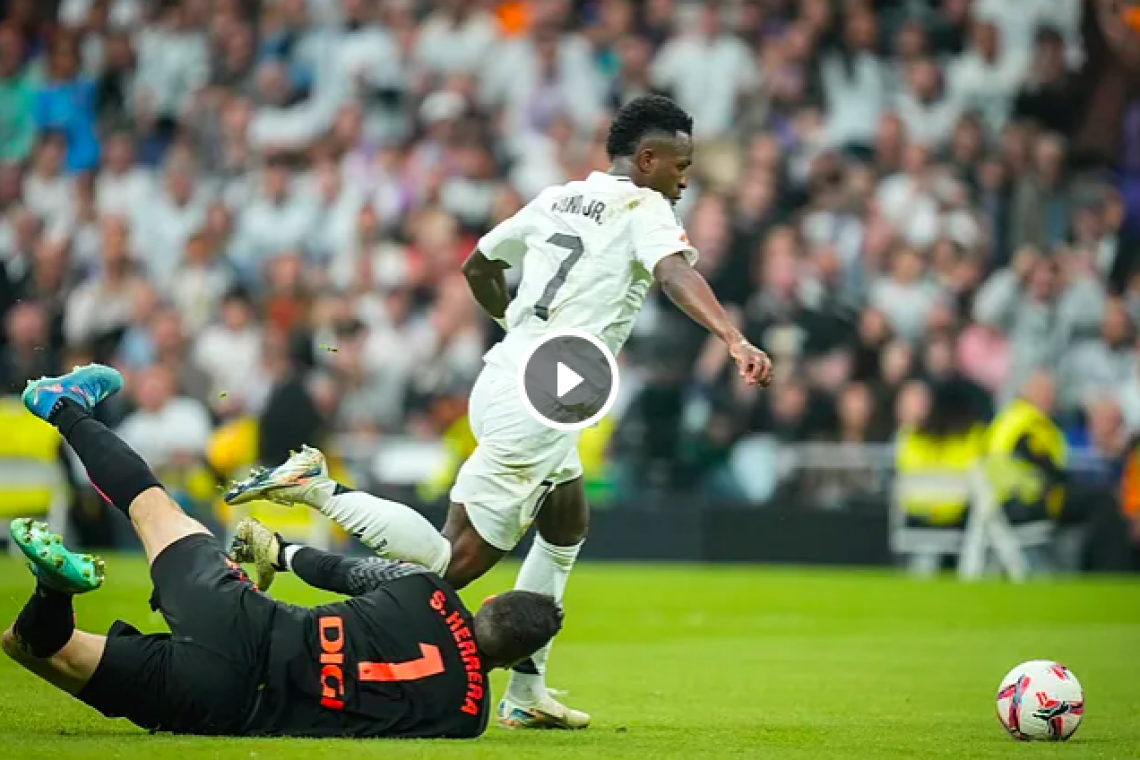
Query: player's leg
{"points": [[70, 668], [155, 681], [121, 676], [562, 522], [471, 555], [474, 537], [391, 529], [114, 468], [500, 487], [43, 638], [203, 596]]}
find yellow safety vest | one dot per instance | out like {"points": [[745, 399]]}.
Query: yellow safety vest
{"points": [[25, 439], [953, 456], [1015, 477]]}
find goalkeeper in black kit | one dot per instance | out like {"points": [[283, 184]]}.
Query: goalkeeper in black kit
{"points": [[403, 657]]}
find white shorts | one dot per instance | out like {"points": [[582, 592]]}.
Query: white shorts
{"points": [[518, 460]]}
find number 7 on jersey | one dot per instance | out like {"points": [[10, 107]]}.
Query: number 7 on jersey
{"points": [[573, 244]]}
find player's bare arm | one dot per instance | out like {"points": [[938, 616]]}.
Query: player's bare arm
{"points": [[488, 283], [689, 290]]}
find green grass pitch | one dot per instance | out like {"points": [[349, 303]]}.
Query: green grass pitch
{"points": [[695, 662]]}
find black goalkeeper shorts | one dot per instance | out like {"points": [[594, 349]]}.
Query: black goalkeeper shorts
{"points": [[204, 676]]}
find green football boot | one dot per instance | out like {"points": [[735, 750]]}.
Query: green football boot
{"points": [[54, 564]]}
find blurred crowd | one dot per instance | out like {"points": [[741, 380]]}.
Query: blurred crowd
{"points": [[257, 208]]}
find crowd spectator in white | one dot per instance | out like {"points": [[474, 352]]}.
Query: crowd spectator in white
{"points": [[104, 304], [47, 187], [911, 200], [1019, 20], [927, 107], [161, 226], [1042, 307], [276, 219], [707, 69], [335, 209], [368, 62], [1098, 365], [279, 123], [229, 350], [173, 62], [905, 295], [203, 278], [985, 78], [167, 428], [856, 83], [121, 14], [122, 185], [456, 38], [543, 77]]}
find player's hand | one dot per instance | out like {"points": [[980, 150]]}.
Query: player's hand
{"points": [[754, 365]]}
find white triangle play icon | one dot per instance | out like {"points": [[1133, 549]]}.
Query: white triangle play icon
{"points": [[567, 380]]}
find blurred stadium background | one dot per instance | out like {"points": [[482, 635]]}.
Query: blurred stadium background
{"points": [[927, 211]]}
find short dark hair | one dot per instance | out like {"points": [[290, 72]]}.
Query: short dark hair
{"points": [[512, 626], [1048, 35], [238, 294], [641, 117]]}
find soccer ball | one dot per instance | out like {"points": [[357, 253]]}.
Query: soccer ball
{"points": [[1040, 700]]}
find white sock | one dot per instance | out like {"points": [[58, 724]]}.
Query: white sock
{"points": [[545, 570], [287, 556], [390, 529]]}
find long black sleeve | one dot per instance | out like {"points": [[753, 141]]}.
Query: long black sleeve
{"points": [[347, 575]]}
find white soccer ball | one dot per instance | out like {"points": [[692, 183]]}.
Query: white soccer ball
{"points": [[1040, 700]]}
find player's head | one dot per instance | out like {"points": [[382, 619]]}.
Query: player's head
{"points": [[511, 627], [652, 138]]}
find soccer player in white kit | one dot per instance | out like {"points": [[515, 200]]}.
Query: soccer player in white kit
{"points": [[589, 251]]}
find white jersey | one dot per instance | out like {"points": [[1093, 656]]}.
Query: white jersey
{"points": [[588, 251]]}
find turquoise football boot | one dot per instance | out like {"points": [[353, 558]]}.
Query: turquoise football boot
{"points": [[86, 386]]}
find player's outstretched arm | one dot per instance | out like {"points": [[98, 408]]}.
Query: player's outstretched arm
{"points": [[488, 283], [351, 576], [691, 292]]}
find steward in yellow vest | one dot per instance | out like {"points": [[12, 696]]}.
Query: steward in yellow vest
{"points": [[29, 448], [1027, 455], [942, 450]]}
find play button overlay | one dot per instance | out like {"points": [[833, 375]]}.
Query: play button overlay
{"points": [[568, 380]]}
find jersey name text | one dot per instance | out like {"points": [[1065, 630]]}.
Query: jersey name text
{"points": [[577, 204]]}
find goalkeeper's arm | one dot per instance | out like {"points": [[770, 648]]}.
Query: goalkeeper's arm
{"points": [[351, 576]]}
